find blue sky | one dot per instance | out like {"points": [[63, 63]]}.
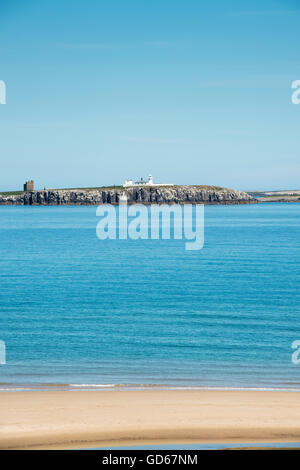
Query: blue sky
{"points": [[194, 92]]}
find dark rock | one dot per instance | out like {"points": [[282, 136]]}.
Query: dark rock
{"points": [[147, 195]]}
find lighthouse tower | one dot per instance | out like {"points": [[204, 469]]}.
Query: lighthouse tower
{"points": [[150, 180]]}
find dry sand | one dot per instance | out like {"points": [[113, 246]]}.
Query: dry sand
{"points": [[62, 420]]}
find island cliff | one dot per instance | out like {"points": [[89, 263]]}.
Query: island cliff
{"points": [[143, 195]]}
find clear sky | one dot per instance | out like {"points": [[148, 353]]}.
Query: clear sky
{"points": [[192, 91]]}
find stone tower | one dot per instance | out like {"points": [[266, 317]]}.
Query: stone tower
{"points": [[29, 186]]}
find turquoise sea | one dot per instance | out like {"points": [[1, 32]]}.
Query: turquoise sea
{"points": [[77, 312]]}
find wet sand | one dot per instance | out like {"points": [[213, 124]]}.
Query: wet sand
{"points": [[82, 419]]}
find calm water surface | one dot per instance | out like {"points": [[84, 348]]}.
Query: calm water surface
{"points": [[77, 310]]}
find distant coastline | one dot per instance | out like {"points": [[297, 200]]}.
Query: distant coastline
{"points": [[277, 196], [143, 195]]}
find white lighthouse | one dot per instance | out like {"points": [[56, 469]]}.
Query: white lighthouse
{"points": [[129, 183]]}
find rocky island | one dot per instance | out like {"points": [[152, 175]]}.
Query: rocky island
{"points": [[142, 195], [277, 196]]}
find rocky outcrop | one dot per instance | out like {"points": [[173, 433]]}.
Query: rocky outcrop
{"points": [[147, 195]]}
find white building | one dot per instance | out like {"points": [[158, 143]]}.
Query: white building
{"points": [[142, 182]]}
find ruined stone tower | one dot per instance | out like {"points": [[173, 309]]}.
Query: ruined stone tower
{"points": [[29, 186]]}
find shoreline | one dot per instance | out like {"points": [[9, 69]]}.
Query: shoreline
{"points": [[257, 201], [134, 387], [139, 195], [144, 203], [86, 419]]}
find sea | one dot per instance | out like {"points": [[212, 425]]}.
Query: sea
{"points": [[79, 313]]}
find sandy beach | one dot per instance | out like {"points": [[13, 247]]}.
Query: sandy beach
{"points": [[64, 420]]}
